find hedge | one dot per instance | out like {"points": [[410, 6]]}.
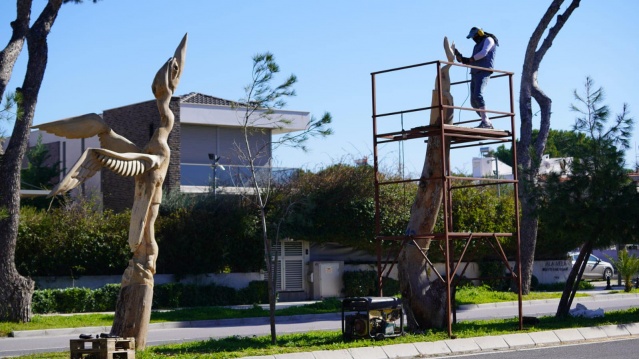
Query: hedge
{"points": [[165, 296], [364, 283]]}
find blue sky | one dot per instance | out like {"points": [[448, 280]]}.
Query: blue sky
{"points": [[105, 55]]}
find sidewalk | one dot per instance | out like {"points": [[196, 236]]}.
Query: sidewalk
{"points": [[472, 345]]}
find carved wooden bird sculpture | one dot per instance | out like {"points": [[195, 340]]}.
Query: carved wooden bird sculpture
{"points": [[118, 154]]}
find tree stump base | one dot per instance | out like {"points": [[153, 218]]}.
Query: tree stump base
{"points": [[133, 312]]}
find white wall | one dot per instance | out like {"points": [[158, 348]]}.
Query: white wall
{"points": [[485, 167], [70, 151]]}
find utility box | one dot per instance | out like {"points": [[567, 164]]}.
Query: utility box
{"points": [[327, 279]]}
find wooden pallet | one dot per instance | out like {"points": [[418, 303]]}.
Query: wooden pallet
{"points": [[103, 348]]}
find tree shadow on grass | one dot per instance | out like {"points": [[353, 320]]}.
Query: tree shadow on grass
{"points": [[255, 345]]}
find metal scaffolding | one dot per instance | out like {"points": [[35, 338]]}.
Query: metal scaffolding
{"points": [[456, 137]]}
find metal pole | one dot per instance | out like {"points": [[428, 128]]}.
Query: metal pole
{"points": [[376, 179], [516, 198], [214, 181]]}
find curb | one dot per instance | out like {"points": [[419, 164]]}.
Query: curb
{"points": [[473, 345]]}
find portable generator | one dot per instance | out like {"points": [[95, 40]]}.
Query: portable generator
{"points": [[372, 317]]}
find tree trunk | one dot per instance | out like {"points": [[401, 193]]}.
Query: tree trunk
{"points": [[15, 290], [528, 230], [425, 301], [572, 282], [529, 154], [133, 313]]}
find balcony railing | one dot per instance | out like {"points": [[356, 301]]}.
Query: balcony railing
{"points": [[197, 174]]}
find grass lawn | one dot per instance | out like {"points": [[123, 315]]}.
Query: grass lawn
{"points": [[235, 347], [465, 295]]}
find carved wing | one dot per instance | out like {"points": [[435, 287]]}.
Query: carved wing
{"points": [[94, 159], [86, 126], [449, 49]]}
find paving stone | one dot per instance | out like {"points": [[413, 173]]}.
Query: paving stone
{"points": [[432, 348], [593, 333], [462, 345], [332, 354], [368, 353], [544, 338], [632, 328], [400, 350], [294, 356], [615, 331], [491, 343], [518, 340], [260, 357], [569, 335]]}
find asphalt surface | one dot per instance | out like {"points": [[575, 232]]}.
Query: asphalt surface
{"points": [[38, 341]]}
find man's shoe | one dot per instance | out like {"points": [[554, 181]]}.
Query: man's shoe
{"points": [[485, 125]]}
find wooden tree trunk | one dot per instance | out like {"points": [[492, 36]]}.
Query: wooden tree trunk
{"points": [[133, 313], [529, 87], [15, 290], [133, 309], [572, 282], [425, 301], [15, 295]]}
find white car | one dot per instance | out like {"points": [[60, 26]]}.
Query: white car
{"points": [[595, 268]]}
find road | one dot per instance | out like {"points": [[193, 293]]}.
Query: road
{"points": [[58, 340], [615, 349]]}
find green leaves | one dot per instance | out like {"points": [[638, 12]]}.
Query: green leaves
{"points": [[628, 266]]}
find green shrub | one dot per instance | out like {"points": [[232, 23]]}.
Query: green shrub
{"points": [[391, 287], [105, 298], [359, 283], [73, 300], [364, 283], [491, 271], [255, 292], [72, 240], [167, 295], [43, 301]]}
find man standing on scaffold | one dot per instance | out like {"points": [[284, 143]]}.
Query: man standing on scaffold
{"points": [[483, 56]]}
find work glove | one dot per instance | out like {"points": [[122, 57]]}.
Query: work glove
{"points": [[466, 60], [458, 55]]}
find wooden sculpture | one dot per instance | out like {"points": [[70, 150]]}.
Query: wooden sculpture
{"points": [[424, 300], [149, 167]]}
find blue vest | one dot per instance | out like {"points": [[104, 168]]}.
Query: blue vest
{"points": [[488, 61]]}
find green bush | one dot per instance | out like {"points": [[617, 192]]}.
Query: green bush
{"points": [[73, 300], [105, 298], [207, 234], [165, 296], [71, 241], [43, 302], [255, 292], [359, 283], [491, 271], [364, 283]]}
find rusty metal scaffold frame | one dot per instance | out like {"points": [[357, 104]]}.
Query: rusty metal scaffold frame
{"points": [[459, 137]]}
